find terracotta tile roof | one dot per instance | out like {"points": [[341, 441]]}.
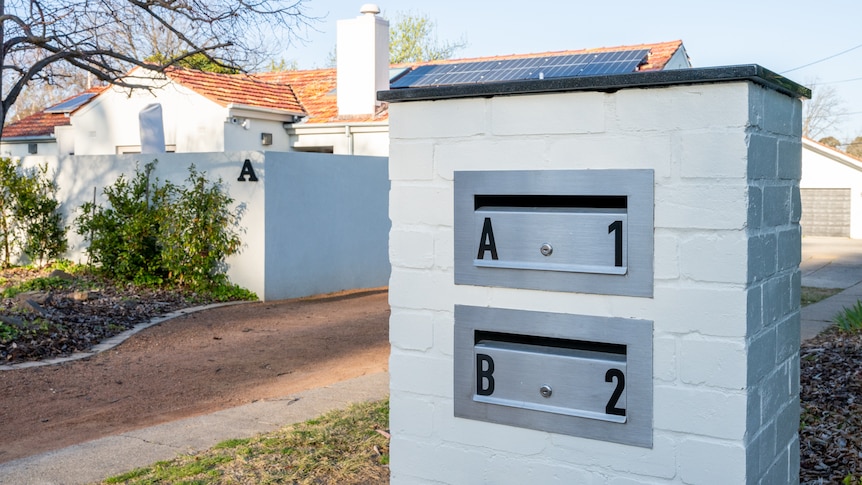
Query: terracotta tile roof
{"points": [[43, 123], [226, 89], [316, 91]]}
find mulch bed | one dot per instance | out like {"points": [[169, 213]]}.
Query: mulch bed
{"points": [[830, 433], [84, 311]]}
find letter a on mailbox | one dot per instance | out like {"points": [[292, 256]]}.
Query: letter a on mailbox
{"points": [[486, 243]]}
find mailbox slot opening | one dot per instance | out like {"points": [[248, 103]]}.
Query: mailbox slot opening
{"points": [[483, 336], [551, 201]]}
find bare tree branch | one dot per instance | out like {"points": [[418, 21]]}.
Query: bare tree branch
{"points": [[41, 40]]}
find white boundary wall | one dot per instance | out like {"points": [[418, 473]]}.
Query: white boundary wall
{"points": [[725, 307], [313, 223]]}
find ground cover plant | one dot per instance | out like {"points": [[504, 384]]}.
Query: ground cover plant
{"points": [[65, 308], [349, 446]]}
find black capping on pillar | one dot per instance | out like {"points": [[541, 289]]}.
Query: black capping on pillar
{"points": [[608, 83]]}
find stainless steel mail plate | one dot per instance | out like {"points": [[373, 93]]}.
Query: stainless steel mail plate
{"points": [[560, 380], [577, 240], [577, 375], [587, 231]]}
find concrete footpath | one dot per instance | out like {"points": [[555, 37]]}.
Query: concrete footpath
{"points": [[99, 459], [826, 263], [830, 262]]}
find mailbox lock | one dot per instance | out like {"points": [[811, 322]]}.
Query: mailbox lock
{"points": [[546, 249], [546, 391]]}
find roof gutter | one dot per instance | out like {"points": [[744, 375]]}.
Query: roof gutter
{"points": [[270, 113], [28, 139]]}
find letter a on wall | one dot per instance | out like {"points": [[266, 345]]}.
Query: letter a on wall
{"points": [[247, 171]]}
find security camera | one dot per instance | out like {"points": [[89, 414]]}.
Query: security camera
{"points": [[234, 120]]}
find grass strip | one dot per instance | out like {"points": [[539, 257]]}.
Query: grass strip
{"points": [[340, 447]]}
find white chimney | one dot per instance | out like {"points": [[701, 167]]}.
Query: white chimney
{"points": [[362, 50]]}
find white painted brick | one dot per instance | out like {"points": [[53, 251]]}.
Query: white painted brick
{"points": [[444, 248], [787, 423], [411, 249], [475, 154], [435, 119], [712, 362], [577, 112], [636, 151], [666, 258], [430, 462], [755, 207], [794, 460], [779, 472], [490, 436], [682, 108], [431, 205], [658, 461], [698, 206], [411, 161], [444, 342], [761, 356], [754, 312], [795, 204], [700, 411], [664, 358], [762, 256], [420, 374], [762, 156], [776, 299], [710, 310], [715, 257], [761, 451], [705, 462], [411, 330], [775, 392], [790, 159], [754, 419], [421, 290], [502, 469], [713, 155], [410, 416], [789, 251], [781, 117], [787, 337], [776, 205]]}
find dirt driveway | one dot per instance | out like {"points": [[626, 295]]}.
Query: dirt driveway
{"points": [[192, 365]]}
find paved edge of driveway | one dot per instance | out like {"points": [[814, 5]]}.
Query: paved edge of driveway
{"points": [[116, 340]]}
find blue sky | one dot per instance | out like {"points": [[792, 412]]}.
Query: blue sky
{"points": [[778, 35]]}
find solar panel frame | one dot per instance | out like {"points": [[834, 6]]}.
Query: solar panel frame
{"points": [[540, 67], [71, 104]]}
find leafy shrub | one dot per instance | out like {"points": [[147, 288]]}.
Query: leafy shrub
{"points": [[198, 231], [124, 236], [37, 284], [30, 217], [153, 233]]}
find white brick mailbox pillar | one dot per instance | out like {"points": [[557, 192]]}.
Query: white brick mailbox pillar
{"points": [[595, 280]]}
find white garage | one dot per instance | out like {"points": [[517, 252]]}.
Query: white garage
{"points": [[831, 192]]}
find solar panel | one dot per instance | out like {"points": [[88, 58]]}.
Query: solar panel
{"points": [[71, 104], [547, 67]]}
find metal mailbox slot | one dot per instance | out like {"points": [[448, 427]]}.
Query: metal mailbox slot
{"points": [[555, 379], [578, 375], [578, 230]]}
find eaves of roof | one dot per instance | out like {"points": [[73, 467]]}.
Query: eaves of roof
{"points": [[834, 154]]}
